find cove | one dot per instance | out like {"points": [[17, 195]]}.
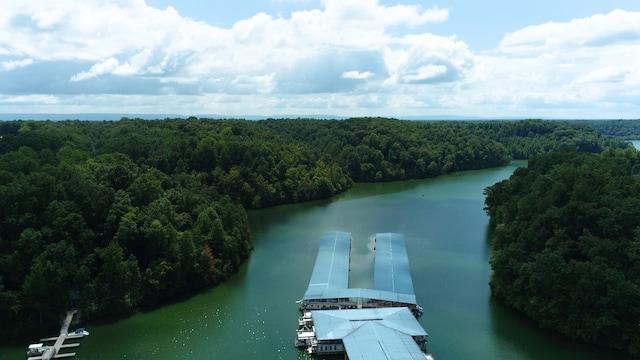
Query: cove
{"points": [[254, 315]]}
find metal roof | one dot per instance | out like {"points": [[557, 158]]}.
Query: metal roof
{"points": [[374, 341], [391, 265], [331, 270], [346, 293], [382, 333]]}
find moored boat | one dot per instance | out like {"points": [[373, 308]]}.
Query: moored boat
{"points": [[36, 349], [79, 332]]}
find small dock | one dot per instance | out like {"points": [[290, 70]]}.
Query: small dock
{"points": [[48, 352]]}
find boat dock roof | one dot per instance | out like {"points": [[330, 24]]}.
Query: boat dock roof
{"points": [[391, 265], [391, 278], [382, 333], [351, 293], [378, 323], [331, 270]]}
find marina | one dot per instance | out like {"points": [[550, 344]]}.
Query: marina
{"points": [[378, 323]]}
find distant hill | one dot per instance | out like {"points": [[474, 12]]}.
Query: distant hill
{"points": [[264, 117], [85, 116], [441, 117], [118, 116]]}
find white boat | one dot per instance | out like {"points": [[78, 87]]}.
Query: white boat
{"points": [[79, 332], [36, 349]]}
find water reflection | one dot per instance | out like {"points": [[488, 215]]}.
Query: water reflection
{"points": [[518, 337]]}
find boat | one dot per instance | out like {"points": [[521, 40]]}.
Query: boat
{"points": [[36, 349], [79, 332]]}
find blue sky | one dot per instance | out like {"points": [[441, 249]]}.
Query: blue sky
{"points": [[491, 58]]}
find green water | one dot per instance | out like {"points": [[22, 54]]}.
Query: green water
{"points": [[254, 315]]}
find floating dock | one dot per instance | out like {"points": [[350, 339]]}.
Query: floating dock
{"points": [[41, 351], [378, 323]]}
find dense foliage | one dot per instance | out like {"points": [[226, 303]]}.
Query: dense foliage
{"points": [[524, 139], [114, 216], [566, 244], [625, 129], [375, 149]]}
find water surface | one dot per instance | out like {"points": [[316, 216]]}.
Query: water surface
{"points": [[254, 315]]}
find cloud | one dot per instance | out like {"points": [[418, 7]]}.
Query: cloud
{"points": [[104, 67], [426, 73], [126, 37], [607, 74], [599, 30], [254, 84], [29, 99], [369, 13], [355, 74], [428, 58], [125, 47], [343, 55], [558, 67], [9, 65], [325, 72]]}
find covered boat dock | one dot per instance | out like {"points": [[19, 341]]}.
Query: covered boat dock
{"points": [[378, 323]]}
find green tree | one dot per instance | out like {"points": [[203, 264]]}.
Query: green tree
{"points": [[564, 244]]}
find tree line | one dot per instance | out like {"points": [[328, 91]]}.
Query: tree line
{"points": [[380, 149], [625, 129], [565, 237], [114, 216]]}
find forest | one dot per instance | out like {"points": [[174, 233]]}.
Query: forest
{"points": [[566, 244], [624, 129], [115, 216]]}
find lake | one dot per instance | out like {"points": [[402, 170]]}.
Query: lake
{"points": [[254, 315]]}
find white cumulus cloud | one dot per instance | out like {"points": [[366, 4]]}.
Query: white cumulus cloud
{"points": [[618, 26], [342, 55], [104, 67], [355, 74], [14, 64], [557, 68]]}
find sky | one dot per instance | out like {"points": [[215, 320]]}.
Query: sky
{"points": [[562, 59]]}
